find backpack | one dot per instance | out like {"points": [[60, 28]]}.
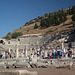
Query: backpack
{"points": [[68, 52]]}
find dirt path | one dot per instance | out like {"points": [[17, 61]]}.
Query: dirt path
{"points": [[48, 71], [52, 71]]}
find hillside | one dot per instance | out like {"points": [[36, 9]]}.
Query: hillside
{"points": [[50, 23], [29, 29]]}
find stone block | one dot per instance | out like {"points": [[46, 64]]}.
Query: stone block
{"points": [[2, 65], [10, 64], [21, 65], [42, 65], [34, 59]]}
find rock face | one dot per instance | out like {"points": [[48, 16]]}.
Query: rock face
{"points": [[17, 72]]}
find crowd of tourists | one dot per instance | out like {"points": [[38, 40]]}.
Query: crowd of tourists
{"points": [[44, 54], [59, 54], [54, 54], [6, 55]]}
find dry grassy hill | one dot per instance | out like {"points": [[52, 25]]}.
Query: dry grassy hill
{"points": [[66, 26]]}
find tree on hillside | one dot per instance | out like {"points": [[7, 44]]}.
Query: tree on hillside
{"points": [[8, 36], [35, 26], [47, 22], [43, 23], [69, 11], [39, 17], [73, 19], [56, 19], [50, 14], [46, 15], [9, 33], [73, 10], [16, 35]]}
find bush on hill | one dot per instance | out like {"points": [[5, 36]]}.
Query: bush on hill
{"points": [[16, 34], [73, 17], [54, 19], [35, 26]]}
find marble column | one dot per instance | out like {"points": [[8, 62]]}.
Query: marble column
{"points": [[9, 49], [30, 51], [17, 51], [62, 46], [4, 54], [25, 50], [35, 50], [45, 54]]}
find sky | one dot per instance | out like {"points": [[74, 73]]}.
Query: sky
{"points": [[15, 13]]}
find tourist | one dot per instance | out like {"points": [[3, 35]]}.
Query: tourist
{"points": [[53, 54], [38, 53], [22, 55], [50, 55], [6, 56], [9, 54]]}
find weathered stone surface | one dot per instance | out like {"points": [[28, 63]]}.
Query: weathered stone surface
{"points": [[42, 65], [17, 72], [21, 65], [38, 65], [10, 64], [2, 65]]}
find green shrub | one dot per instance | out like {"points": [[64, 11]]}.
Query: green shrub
{"points": [[74, 24], [8, 37], [35, 26], [16, 34], [73, 17]]}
